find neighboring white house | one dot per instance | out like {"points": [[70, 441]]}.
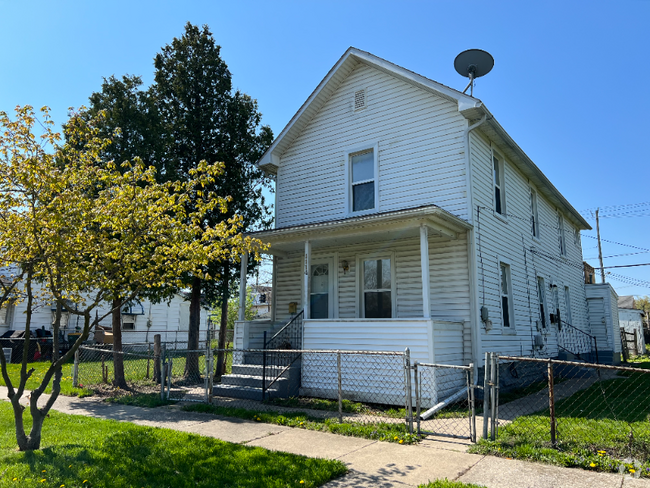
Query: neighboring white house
{"points": [[140, 319], [631, 319], [407, 217], [602, 305]]}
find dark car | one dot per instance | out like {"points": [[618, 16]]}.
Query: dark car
{"points": [[40, 347]]}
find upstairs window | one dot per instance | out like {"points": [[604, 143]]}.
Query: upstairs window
{"points": [[560, 232], [499, 187], [534, 216], [363, 181], [377, 289]]}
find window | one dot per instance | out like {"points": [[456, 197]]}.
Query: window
{"points": [[499, 187], [506, 296], [541, 296], [359, 99], [576, 237], [560, 231], [364, 181], [567, 303], [534, 216], [128, 324], [377, 289]]}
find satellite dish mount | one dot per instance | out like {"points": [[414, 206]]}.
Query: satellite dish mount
{"points": [[473, 64]]}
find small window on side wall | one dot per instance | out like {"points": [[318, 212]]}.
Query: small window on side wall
{"points": [[534, 215], [560, 234], [499, 186], [506, 297], [363, 181]]}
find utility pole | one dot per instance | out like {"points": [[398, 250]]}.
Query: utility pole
{"points": [[600, 249]]}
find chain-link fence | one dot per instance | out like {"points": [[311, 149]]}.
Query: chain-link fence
{"points": [[573, 406], [445, 400]]}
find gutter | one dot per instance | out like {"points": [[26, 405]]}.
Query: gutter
{"points": [[475, 331]]}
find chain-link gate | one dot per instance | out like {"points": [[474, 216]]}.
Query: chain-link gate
{"points": [[444, 400], [187, 374]]}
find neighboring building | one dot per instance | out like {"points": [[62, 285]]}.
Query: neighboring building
{"points": [[140, 320], [262, 298], [407, 217], [631, 319], [602, 304]]}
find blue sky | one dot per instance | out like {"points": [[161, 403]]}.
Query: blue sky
{"points": [[569, 82]]}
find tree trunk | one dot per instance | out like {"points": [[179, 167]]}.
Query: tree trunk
{"points": [[223, 326], [192, 362], [118, 356]]}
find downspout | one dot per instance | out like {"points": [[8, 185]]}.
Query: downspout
{"points": [[475, 331]]}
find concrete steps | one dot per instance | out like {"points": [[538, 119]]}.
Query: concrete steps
{"points": [[245, 382]]}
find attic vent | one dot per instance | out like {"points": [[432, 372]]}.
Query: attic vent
{"points": [[359, 99]]}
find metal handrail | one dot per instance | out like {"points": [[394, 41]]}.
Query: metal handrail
{"points": [[575, 329], [285, 327]]}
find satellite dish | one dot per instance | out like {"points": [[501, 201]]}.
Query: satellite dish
{"points": [[473, 64]]}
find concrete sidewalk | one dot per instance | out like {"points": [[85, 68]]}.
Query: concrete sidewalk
{"points": [[371, 463]]}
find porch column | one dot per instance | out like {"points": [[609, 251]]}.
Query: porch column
{"points": [[305, 287], [242, 287], [424, 263], [274, 288]]}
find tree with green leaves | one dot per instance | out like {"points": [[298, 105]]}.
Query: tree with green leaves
{"points": [[83, 229], [129, 120], [203, 119]]}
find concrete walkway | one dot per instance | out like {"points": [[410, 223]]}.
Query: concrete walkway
{"points": [[371, 463]]}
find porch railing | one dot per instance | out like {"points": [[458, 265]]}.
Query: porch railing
{"points": [[281, 352], [576, 342]]}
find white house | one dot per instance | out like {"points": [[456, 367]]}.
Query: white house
{"points": [[631, 319], [141, 320], [406, 216]]}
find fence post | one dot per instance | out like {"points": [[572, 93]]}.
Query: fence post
{"points": [[493, 396], [170, 365], [486, 395], [409, 391], [156, 358], [338, 370], [551, 402], [264, 369], [148, 358], [418, 396], [209, 372], [497, 391], [163, 371], [472, 406], [75, 370]]}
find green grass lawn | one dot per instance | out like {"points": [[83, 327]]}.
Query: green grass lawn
{"points": [[36, 378], [382, 431], [449, 484], [85, 452], [604, 427]]}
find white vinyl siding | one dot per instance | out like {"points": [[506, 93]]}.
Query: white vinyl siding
{"points": [[420, 152], [529, 258], [447, 268]]}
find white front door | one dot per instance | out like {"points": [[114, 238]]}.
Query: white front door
{"points": [[321, 289]]}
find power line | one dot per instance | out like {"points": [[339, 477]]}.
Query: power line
{"points": [[624, 266], [617, 243]]}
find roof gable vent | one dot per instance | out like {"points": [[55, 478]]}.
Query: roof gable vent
{"points": [[359, 99]]}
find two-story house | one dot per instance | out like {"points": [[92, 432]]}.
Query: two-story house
{"points": [[406, 216]]}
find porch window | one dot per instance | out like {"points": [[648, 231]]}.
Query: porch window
{"points": [[362, 167], [499, 187], [377, 286], [506, 296], [541, 295]]}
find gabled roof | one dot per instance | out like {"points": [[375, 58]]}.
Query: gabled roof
{"points": [[471, 108]]}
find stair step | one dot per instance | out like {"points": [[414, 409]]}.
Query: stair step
{"points": [[243, 392], [246, 380], [255, 369]]}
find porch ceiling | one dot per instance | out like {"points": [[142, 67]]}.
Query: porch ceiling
{"points": [[385, 226]]}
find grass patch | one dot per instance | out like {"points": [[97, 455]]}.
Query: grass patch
{"points": [[148, 400], [39, 372], [449, 484], [382, 431], [81, 451], [604, 427], [333, 406]]}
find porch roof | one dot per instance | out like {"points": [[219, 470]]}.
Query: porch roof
{"points": [[392, 225]]}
